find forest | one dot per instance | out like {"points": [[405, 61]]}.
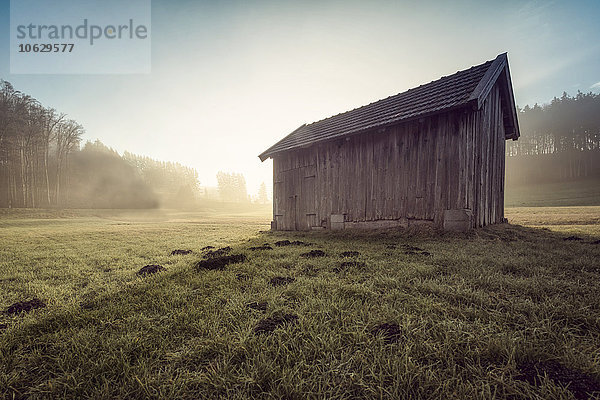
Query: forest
{"points": [[560, 141]]}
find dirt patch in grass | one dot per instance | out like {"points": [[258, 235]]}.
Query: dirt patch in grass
{"points": [[282, 243], [218, 263], [579, 383], [417, 253], [180, 252], [268, 325], [348, 264], [258, 305], [299, 243], [313, 254], [408, 247], [515, 270], [350, 254], [150, 269], [25, 306], [390, 331], [87, 305], [265, 246], [413, 250], [217, 253], [570, 238], [281, 280]]}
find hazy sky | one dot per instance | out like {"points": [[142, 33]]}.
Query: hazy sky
{"points": [[231, 78]]}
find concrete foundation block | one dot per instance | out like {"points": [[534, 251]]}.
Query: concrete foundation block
{"points": [[337, 218], [378, 224], [336, 222], [458, 220]]}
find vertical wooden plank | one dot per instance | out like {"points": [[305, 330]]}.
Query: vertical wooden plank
{"points": [[380, 158], [469, 161], [478, 165], [486, 160], [276, 188], [404, 170], [318, 194], [431, 152], [482, 164], [410, 160], [418, 173], [450, 169], [344, 182], [395, 173], [502, 154], [368, 149], [439, 172], [352, 181], [384, 178], [494, 158]]}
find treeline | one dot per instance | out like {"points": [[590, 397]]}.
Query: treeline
{"points": [[35, 145], [101, 178], [231, 188], [42, 164], [98, 177], [559, 141], [175, 185]]}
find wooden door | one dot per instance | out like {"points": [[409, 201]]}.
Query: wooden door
{"points": [[305, 211], [289, 215]]}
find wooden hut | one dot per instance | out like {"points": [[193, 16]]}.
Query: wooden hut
{"points": [[431, 155]]}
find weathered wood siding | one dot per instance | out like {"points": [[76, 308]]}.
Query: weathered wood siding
{"points": [[414, 171], [489, 157]]}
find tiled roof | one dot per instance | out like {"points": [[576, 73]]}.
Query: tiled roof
{"points": [[460, 89]]}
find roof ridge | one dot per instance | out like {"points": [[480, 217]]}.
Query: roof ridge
{"points": [[397, 94], [486, 82], [263, 156]]}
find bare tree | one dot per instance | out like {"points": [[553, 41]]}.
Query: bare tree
{"points": [[52, 120], [8, 96], [68, 136]]}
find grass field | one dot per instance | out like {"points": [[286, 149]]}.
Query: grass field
{"points": [[508, 311], [582, 192]]}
